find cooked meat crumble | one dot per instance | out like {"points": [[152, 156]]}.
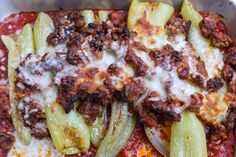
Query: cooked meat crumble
{"points": [[214, 84], [230, 57], [227, 72], [6, 141], [176, 25], [138, 64], [213, 27], [67, 24]]}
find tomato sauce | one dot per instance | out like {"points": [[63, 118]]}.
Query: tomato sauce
{"points": [[138, 145], [223, 148]]}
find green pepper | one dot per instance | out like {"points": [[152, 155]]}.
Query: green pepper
{"points": [[97, 128], [42, 28], [13, 61], [212, 57], [189, 13], [88, 16], [153, 12], [19, 50], [69, 132], [25, 41], [102, 16], [119, 131], [188, 138]]}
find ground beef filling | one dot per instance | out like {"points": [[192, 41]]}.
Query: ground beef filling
{"points": [[230, 57], [227, 72], [4, 101], [34, 118], [214, 84], [90, 95], [67, 93], [67, 23], [22, 89], [220, 141], [176, 24], [213, 27], [196, 101], [75, 53], [138, 64], [6, 141], [154, 111]]}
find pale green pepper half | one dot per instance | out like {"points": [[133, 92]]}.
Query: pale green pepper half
{"points": [[24, 132], [119, 131], [102, 16], [69, 132], [88, 16], [25, 41], [188, 138], [43, 26], [97, 128]]}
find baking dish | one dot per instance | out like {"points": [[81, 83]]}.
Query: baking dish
{"points": [[225, 8]]}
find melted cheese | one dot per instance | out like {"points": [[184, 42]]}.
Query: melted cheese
{"points": [[45, 79], [37, 148], [59, 48], [214, 109], [145, 57], [155, 41], [107, 59], [157, 81], [68, 70], [28, 73], [212, 57], [178, 42], [50, 95], [38, 98], [181, 88]]}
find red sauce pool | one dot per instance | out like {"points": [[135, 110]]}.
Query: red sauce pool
{"points": [[224, 148]]}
